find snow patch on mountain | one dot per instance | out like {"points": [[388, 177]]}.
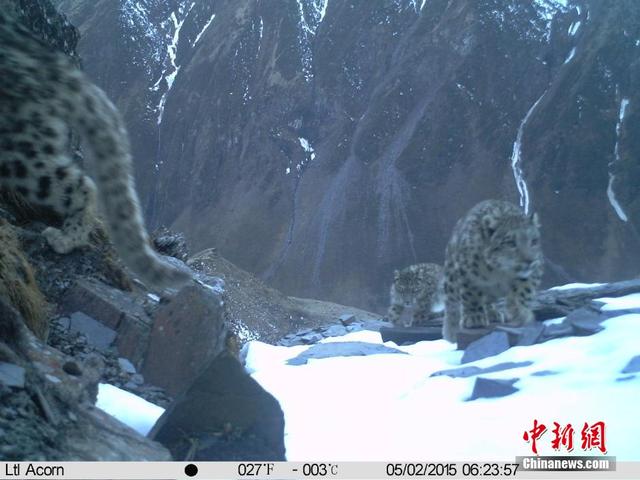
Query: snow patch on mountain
{"points": [[510, 15], [311, 12], [171, 68], [516, 159], [145, 35], [572, 54], [204, 29], [624, 103], [573, 29]]}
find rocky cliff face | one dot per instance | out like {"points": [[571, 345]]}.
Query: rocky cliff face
{"points": [[322, 143]]}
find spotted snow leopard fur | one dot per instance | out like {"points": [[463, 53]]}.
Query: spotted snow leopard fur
{"points": [[42, 95], [494, 253], [417, 287]]}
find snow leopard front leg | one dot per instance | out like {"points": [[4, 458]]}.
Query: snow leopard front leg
{"points": [[74, 197], [422, 309], [473, 309], [518, 302]]}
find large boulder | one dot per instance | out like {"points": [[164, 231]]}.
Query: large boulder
{"points": [[223, 415], [188, 331]]}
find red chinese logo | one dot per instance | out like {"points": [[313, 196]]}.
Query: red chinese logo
{"points": [[562, 437], [592, 436], [534, 434]]}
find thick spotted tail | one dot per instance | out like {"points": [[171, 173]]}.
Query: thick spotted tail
{"points": [[105, 135]]}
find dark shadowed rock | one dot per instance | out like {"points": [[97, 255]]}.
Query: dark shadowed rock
{"points": [[633, 366], [114, 308], [487, 346], [188, 331], [464, 372], [625, 379], [341, 349], [410, 335], [347, 319], [106, 304], [223, 415], [543, 373], [490, 388]]}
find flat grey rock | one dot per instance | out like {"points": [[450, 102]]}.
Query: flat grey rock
{"points": [[310, 338], [11, 375], [543, 373], [98, 335], [492, 344], [341, 349], [490, 388], [530, 335], [585, 321], [633, 366], [557, 330], [335, 331], [464, 372]]}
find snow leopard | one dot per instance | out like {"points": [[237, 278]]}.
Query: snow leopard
{"points": [[418, 287], [42, 96], [494, 253]]}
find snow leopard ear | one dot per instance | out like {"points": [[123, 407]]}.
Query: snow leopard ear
{"points": [[535, 219], [396, 275], [490, 225]]}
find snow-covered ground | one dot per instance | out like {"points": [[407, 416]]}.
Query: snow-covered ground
{"points": [[388, 407]]}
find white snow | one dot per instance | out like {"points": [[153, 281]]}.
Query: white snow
{"points": [[547, 10], [169, 74], [621, 303], [569, 286], [387, 407], [128, 408], [312, 13], [516, 159], [572, 53], [624, 103], [573, 29], [304, 143], [206, 25]]}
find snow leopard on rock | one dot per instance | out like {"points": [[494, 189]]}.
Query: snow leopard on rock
{"points": [[417, 287], [42, 96], [494, 253]]}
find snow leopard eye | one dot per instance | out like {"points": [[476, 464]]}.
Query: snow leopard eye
{"points": [[509, 242]]}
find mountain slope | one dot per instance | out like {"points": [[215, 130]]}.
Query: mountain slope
{"points": [[321, 144]]}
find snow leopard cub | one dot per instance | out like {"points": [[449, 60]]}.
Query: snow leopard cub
{"points": [[418, 287], [43, 95], [494, 253]]}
